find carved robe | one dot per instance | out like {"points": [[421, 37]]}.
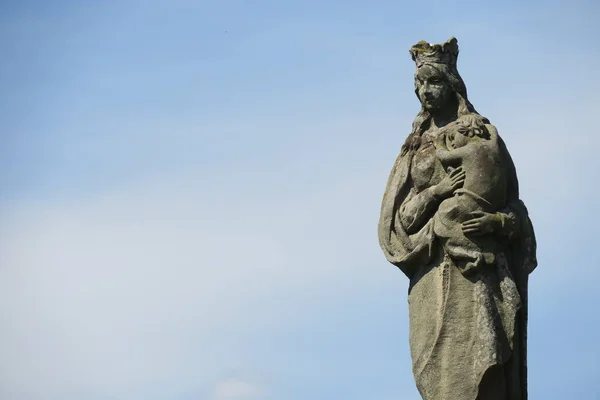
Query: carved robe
{"points": [[467, 333]]}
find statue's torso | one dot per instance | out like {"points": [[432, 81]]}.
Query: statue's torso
{"points": [[426, 170]]}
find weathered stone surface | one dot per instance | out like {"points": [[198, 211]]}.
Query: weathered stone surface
{"points": [[452, 221]]}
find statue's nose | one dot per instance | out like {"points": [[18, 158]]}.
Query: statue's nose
{"points": [[426, 89]]}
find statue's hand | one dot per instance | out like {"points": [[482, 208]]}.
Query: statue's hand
{"points": [[483, 223], [454, 180]]}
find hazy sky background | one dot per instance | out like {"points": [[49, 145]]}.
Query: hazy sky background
{"points": [[189, 192]]}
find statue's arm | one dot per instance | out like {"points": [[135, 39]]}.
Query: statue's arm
{"points": [[447, 156], [511, 215], [418, 208], [509, 222], [441, 149]]}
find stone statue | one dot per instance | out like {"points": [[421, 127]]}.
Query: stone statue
{"points": [[452, 222]]}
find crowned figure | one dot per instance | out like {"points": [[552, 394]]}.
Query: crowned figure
{"points": [[453, 222]]}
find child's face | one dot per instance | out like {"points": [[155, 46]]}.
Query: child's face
{"points": [[459, 140]]}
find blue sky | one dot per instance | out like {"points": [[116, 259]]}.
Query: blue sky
{"points": [[189, 192]]}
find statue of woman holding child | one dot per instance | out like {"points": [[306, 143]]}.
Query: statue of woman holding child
{"points": [[452, 222]]}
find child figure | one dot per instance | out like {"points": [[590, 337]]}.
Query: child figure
{"points": [[468, 143]]}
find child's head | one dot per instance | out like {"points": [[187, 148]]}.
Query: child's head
{"points": [[471, 126]]}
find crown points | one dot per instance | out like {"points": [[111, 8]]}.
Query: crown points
{"points": [[446, 53]]}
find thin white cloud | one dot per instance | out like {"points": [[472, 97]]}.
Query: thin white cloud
{"points": [[236, 388]]}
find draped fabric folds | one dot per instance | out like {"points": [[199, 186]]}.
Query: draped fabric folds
{"points": [[467, 333]]}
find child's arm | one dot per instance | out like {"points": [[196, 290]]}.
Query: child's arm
{"points": [[447, 155], [442, 151]]}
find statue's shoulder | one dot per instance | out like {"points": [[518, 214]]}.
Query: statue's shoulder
{"points": [[491, 128], [412, 143]]}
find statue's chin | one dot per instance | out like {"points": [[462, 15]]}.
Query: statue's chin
{"points": [[432, 107], [436, 104], [432, 110]]}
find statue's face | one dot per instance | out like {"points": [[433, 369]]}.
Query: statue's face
{"points": [[432, 87]]}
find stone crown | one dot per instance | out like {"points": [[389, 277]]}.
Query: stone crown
{"points": [[446, 53]]}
